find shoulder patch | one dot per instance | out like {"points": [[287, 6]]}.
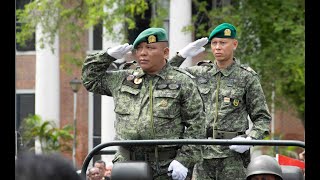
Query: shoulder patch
{"points": [[248, 68], [183, 71]]}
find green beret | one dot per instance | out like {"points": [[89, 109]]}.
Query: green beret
{"points": [[224, 30], [151, 35]]}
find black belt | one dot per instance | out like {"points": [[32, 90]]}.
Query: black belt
{"points": [[222, 134], [150, 156]]}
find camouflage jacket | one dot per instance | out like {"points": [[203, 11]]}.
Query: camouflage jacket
{"points": [[240, 96], [175, 110]]}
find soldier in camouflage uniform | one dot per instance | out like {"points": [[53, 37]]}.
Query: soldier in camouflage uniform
{"points": [[233, 93], [153, 101]]}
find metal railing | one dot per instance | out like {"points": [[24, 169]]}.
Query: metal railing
{"points": [[97, 150]]}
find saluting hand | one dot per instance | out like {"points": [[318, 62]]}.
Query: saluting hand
{"points": [[119, 51], [193, 48]]}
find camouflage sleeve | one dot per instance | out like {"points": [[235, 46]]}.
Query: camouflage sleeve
{"points": [[176, 61], [95, 76], [194, 119], [257, 109]]}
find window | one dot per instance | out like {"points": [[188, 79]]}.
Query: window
{"points": [[30, 44], [25, 105], [97, 37]]}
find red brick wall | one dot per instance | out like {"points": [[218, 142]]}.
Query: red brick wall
{"points": [[288, 126], [66, 96], [25, 71]]}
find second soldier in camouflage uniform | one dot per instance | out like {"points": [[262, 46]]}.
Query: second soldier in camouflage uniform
{"points": [[233, 93], [154, 101]]}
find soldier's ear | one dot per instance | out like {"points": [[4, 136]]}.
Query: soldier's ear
{"points": [[166, 52]]}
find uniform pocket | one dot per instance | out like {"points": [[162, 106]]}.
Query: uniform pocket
{"points": [[127, 96], [166, 103]]}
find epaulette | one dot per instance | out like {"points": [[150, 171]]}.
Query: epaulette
{"points": [[248, 68], [204, 63], [129, 65], [183, 71]]}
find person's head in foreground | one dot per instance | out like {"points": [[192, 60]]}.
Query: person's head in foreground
{"points": [[264, 167], [29, 166]]}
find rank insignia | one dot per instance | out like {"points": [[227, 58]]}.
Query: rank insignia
{"points": [[235, 102], [227, 32], [152, 39], [130, 77], [164, 103], [137, 80]]}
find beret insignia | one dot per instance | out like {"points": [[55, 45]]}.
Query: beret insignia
{"points": [[227, 32], [152, 39]]}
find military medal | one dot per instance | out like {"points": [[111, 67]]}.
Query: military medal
{"points": [[130, 77], [236, 102], [164, 103], [137, 80]]}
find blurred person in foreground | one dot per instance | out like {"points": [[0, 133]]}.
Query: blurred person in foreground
{"points": [[29, 166]]}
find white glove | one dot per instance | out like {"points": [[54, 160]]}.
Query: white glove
{"points": [[119, 51], [240, 148], [179, 172], [193, 48]]}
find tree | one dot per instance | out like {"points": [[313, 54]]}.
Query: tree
{"points": [[51, 138], [70, 19]]}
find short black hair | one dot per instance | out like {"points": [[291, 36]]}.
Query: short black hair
{"points": [[44, 167], [101, 162]]}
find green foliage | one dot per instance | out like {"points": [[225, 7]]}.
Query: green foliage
{"points": [[51, 138], [70, 19]]}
